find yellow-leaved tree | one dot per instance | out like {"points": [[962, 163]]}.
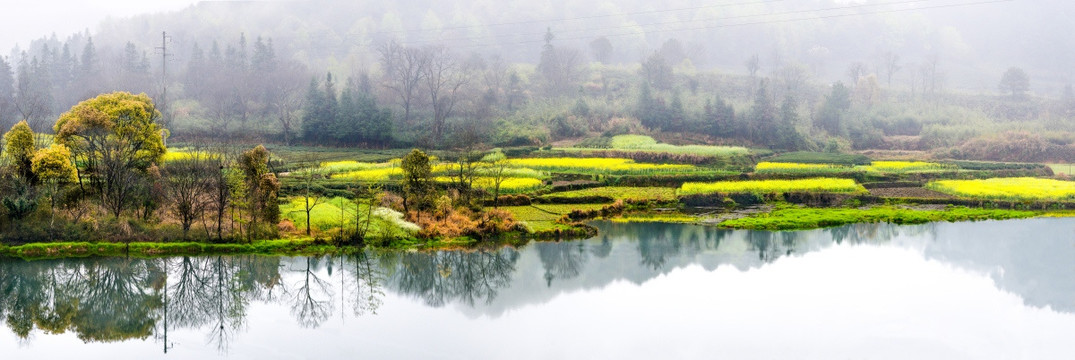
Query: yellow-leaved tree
{"points": [[53, 167], [114, 138], [20, 148]]}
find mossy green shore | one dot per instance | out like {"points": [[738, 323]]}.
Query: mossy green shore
{"points": [[300, 246], [151, 249], [780, 219], [812, 218]]}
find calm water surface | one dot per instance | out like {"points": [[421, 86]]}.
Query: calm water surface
{"points": [[986, 290]]}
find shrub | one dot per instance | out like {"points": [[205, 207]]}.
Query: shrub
{"points": [[1010, 146]]}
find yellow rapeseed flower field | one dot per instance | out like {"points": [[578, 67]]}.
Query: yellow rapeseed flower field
{"points": [[772, 186], [375, 174], [1023, 188], [509, 185], [333, 167], [183, 154]]}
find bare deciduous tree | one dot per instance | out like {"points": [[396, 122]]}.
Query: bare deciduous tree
{"points": [[283, 97], [890, 64], [403, 71], [444, 77], [189, 183]]}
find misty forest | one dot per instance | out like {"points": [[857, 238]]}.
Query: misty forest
{"points": [[304, 126]]}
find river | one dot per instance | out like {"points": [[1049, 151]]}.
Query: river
{"points": [[971, 290]]}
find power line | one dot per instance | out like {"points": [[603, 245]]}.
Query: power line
{"points": [[791, 12], [758, 22], [164, 73], [523, 22], [349, 41]]}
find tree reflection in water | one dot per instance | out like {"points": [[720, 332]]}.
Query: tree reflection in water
{"points": [[100, 300], [469, 277], [363, 283], [311, 299], [561, 260]]}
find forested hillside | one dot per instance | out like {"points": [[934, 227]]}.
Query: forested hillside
{"points": [[774, 74]]}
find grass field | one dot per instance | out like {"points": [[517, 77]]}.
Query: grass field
{"points": [[622, 193], [543, 217], [773, 186], [645, 143], [1062, 169], [1023, 188], [334, 213], [659, 218], [599, 166], [900, 167], [799, 168], [807, 157], [811, 218], [318, 154], [328, 214]]}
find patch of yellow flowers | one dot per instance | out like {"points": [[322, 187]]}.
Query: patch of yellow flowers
{"points": [[507, 185], [773, 186], [183, 154], [1022, 188], [375, 174]]}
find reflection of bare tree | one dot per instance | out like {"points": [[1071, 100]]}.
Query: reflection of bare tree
{"points": [[561, 260], [364, 284], [311, 301], [185, 305], [225, 301], [214, 291]]}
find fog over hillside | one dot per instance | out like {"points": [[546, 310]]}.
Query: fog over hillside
{"points": [[970, 38], [878, 74]]}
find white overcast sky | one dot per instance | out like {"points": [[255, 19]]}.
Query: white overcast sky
{"points": [[24, 20]]}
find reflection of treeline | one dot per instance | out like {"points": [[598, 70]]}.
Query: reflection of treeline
{"points": [[112, 299], [115, 299]]}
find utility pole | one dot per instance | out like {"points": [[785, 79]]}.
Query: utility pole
{"points": [[163, 101]]}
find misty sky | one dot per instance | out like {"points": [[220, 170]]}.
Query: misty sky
{"points": [[23, 21]]}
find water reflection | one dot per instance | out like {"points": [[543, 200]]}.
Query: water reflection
{"points": [[110, 300]]}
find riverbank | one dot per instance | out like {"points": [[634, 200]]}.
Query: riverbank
{"points": [[780, 217]]}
